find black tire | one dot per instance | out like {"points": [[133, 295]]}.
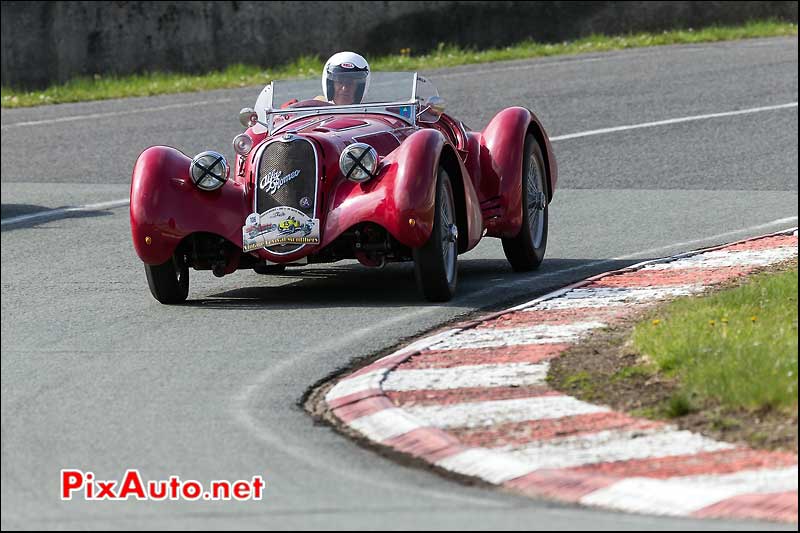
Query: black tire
{"points": [[526, 251], [436, 263], [169, 282], [269, 269]]}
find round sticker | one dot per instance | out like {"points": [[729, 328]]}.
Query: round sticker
{"points": [[305, 202]]}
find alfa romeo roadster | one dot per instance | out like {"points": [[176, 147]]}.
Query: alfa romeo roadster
{"points": [[392, 178]]}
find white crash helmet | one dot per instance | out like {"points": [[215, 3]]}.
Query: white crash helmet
{"points": [[346, 65]]}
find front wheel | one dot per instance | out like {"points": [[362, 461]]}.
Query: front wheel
{"points": [[169, 282], [525, 251], [436, 262]]}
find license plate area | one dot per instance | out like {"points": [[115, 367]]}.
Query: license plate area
{"points": [[279, 226]]}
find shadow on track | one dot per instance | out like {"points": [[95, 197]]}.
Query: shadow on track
{"points": [[48, 214], [483, 284]]}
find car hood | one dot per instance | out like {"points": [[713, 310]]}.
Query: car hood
{"points": [[383, 132]]}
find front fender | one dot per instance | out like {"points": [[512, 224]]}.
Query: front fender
{"points": [[404, 190], [166, 206]]}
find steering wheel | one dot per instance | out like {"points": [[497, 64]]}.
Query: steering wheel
{"points": [[310, 103]]}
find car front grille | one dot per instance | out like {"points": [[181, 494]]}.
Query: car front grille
{"points": [[287, 176]]}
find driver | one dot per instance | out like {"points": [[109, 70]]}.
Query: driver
{"points": [[345, 79]]}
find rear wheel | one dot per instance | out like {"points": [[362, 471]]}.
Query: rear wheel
{"points": [[526, 251], [169, 282], [436, 263]]}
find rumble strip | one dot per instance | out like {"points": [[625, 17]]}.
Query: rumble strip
{"points": [[473, 400]]}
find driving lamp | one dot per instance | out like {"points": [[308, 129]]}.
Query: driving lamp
{"points": [[242, 144], [248, 117], [359, 162], [209, 170]]}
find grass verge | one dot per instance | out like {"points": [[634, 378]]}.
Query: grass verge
{"points": [[724, 365], [99, 87], [737, 347]]}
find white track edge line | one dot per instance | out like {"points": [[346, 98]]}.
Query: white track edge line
{"points": [[116, 113], [672, 121]]}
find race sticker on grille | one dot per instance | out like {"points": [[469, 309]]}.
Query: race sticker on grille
{"points": [[279, 225]]}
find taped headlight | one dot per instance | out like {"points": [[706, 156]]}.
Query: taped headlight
{"points": [[359, 162], [209, 170], [242, 144]]}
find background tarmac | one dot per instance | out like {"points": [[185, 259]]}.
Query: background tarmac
{"points": [[97, 375]]}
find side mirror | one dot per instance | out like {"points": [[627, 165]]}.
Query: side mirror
{"points": [[248, 117], [431, 110]]}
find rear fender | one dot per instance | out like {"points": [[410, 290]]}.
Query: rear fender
{"points": [[166, 207], [502, 144]]}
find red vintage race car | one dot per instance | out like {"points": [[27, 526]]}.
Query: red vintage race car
{"points": [[393, 178]]}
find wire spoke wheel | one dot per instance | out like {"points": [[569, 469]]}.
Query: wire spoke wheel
{"points": [[448, 236], [436, 263], [526, 250], [536, 202]]}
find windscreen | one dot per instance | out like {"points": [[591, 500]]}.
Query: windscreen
{"points": [[384, 87]]}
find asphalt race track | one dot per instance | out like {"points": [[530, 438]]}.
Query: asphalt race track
{"points": [[96, 375]]}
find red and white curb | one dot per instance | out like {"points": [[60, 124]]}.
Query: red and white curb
{"points": [[474, 400]]}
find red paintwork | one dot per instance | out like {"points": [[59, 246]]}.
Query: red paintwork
{"points": [[166, 206], [502, 144], [401, 192]]}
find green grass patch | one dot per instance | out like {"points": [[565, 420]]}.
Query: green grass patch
{"points": [[582, 383], [737, 347], [725, 423], [630, 372], [99, 87], [647, 412], [676, 406]]}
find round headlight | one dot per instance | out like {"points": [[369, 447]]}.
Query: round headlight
{"points": [[359, 162], [242, 144], [209, 170]]}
